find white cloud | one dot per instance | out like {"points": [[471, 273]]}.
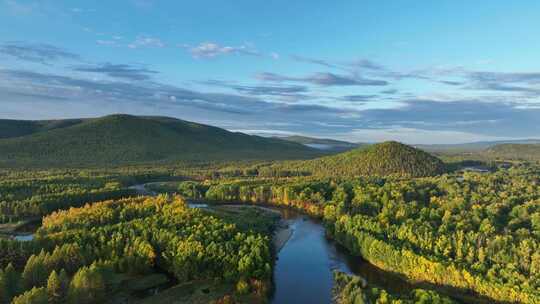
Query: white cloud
{"points": [[264, 132], [146, 42], [415, 136], [106, 42], [211, 50]]}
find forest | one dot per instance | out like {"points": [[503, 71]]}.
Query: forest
{"points": [[475, 234], [35, 193], [269, 152], [351, 289], [129, 140], [478, 232], [81, 255], [381, 159]]}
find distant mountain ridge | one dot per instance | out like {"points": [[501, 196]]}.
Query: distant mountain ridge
{"points": [[473, 146], [16, 128], [324, 144], [528, 152], [127, 139], [342, 146]]}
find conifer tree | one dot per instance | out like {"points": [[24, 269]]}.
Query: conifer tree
{"points": [[35, 272], [32, 296], [3, 295], [87, 286], [64, 283], [12, 283], [54, 288]]}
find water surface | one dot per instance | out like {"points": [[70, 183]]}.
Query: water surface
{"points": [[303, 270], [24, 238]]}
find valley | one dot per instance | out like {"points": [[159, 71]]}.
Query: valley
{"points": [[397, 230], [399, 224], [269, 152]]}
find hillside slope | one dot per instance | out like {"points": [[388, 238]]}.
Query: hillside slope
{"points": [[530, 152], [16, 128], [479, 146], [125, 139], [383, 159]]}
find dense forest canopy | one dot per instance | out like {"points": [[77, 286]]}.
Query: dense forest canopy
{"points": [[476, 234], [530, 152], [269, 152], [388, 158], [89, 249], [126, 139], [351, 289]]}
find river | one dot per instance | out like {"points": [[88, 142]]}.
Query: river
{"points": [[303, 271], [304, 266]]}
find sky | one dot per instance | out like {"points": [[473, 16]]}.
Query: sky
{"points": [[419, 72]]}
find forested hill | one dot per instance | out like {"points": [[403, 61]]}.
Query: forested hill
{"points": [[383, 159], [479, 146], [126, 139], [16, 128], [530, 152]]}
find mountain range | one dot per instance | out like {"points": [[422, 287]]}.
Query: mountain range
{"points": [[126, 139]]}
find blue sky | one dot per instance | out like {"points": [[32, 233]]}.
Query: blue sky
{"points": [[414, 71]]}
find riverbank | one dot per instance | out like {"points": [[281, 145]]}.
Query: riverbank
{"points": [[282, 235], [295, 228], [21, 230]]}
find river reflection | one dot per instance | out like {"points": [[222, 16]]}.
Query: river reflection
{"points": [[303, 270], [24, 238]]}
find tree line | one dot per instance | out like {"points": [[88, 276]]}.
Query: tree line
{"points": [[34, 194]]}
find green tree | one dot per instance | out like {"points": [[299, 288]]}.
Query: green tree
{"points": [[87, 286], [64, 282], [33, 296], [242, 287], [3, 295], [55, 289], [12, 283], [35, 272]]}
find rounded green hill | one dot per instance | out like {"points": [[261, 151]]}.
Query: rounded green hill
{"points": [[383, 159], [127, 139]]}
